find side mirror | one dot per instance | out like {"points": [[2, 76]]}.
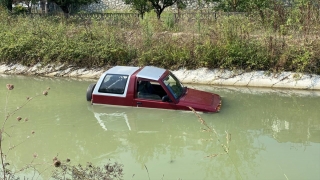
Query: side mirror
{"points": [[165, 98]]}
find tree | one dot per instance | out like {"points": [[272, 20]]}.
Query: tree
{"points": [[142, 6], [66, 4], [259, 6], [244, 6], [241, 5], [181, 5], [227, 5], [160, 5], [6, 4]]}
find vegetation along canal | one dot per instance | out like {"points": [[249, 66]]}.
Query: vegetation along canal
{"points": [[258, 134]]}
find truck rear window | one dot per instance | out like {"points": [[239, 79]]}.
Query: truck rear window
{"points": [[113, 83]]}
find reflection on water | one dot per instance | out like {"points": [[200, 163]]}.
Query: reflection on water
{"points": [[113, 121], [275, 134]]}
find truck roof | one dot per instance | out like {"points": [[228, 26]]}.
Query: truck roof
{"points": [[124, 70], [148, 72], [151, 72]]}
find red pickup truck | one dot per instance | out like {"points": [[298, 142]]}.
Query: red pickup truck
{"points": [[149, 87]]}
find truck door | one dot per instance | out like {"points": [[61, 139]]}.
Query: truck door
{"points": [[150, 94]]}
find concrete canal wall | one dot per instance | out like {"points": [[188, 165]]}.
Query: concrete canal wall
{"points": [[289, 80]]}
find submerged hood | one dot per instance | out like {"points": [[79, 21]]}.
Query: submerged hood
{"points": [[201, 101], [193, 96]]}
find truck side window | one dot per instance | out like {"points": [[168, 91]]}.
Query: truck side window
{"points": [[113, 83], [149, 90]]}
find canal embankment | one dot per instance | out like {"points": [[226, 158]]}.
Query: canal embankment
{"points": [[222, 77]]}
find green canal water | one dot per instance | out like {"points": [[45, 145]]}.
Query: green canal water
{"points": [[272, 134]]}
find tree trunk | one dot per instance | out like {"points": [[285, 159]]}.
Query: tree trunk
{"points": [[261, 15], [9, 5], [42, 5], [65, 10], [234, 6], [159, 11]]}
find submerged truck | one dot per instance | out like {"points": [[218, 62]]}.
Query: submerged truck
{"points": [[149, 87]]}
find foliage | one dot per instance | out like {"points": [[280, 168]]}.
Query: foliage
{"points": [[7, 4], [169, 56], [3, 11], [67, 171], [160, 5], [169, 21], [248, 6], [142, 6], [230, 5], [82, 46], [286, 40], [2, 5], [234, 55], [225, 5], [20, 9]]}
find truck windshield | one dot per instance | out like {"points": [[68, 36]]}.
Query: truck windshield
{"points": [[174, 86]]}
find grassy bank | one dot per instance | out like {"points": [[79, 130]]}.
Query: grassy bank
{"points": [[230, 42]]}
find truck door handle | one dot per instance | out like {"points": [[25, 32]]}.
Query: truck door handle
{"points": [[138, 104]]}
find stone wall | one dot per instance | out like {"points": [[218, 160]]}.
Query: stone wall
{"points": [[112, 5]]}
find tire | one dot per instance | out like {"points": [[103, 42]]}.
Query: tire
{"points": [[89, 91]]}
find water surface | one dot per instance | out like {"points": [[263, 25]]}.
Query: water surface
{"points": [[272, 134]]}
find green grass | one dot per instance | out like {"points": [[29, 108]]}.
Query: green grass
{"points": [[229, 42]]}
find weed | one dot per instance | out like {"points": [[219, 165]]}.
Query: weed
{"points": [[225, 146], [6, 171], [283, 40], [64, 170]]}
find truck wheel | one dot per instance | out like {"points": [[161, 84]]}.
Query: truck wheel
{"points": [[89, 91]]}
